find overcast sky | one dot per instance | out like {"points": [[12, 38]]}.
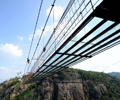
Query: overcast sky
{"points": [[17, 22]]}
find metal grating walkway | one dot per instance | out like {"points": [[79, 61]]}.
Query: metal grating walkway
{"points": [[92, 28]]}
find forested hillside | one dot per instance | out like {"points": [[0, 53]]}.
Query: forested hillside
{"points": [[69, 84]]}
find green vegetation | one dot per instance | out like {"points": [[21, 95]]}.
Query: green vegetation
{"points": [[116, 74], [97, 86], [6, 98], [12, 83], [8, 86], [63, 75], [30, 92]]}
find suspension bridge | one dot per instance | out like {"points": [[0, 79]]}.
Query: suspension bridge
{"points": [[86, 28]]}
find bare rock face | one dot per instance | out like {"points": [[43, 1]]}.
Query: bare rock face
{"points": [[46, 92], [69, 89]]}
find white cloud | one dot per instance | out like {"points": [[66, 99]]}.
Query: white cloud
{"points": [[10, 50], [39, 31], [13, 66], [3, 68], [7, 73], [30, 37], [37, 34], [58, 11], [20, 38]]}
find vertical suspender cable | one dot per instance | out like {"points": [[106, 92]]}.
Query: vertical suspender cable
{"points": [[43, 41]]}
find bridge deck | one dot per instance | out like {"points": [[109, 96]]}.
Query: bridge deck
{"points": [[97, 33]]}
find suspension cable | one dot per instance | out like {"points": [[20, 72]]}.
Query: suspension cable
{"points": [[35, 27], [41, 34], [34, 33]]}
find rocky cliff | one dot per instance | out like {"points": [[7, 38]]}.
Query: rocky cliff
{"points": [[70, 84]]}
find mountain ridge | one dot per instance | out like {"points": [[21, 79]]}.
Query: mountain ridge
{"points": [[115, 74], [68, 84]]}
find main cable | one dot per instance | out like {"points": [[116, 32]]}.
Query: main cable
{"points": [[35, 28], [41, 34], [34, 33]]}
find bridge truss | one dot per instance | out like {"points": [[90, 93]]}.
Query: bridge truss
{"points": [[86, 28]]}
